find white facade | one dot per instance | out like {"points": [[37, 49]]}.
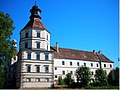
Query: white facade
{"points": [[71, 65]]}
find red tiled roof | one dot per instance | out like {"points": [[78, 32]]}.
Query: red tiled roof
{"points": [[65, 53], [34, 23]]}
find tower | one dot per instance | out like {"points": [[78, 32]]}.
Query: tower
{"points": [[35, 60]]}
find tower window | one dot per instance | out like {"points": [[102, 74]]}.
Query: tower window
{"points": [[28, 79], [46, 69], [38, 56], [29, 55], [70, 63], [55, 68], [26, 35], [26, 45], [46, 56], [63, 63], [37, 68], [38, 44], [55, 76], [110, 65], [38, 34], [28, 68], [47, 37]]}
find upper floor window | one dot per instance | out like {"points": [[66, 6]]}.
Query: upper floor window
{"points": [[26, 45], [91, 64], [110, 65], [78, 64], [63, 72], [46, 57], [85, 64], [28, 68], [97, 65], [26, 35], [38, 44], [104, 65], [37, 68], [38, 56], [38, 34], [55, 68], [55, 76], [29, 55], [63, 63], [46, 68], [70, 63]]}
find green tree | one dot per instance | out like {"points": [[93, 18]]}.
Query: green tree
{"points": [[100, 77], [68, 80], [60, 81], [83, 75], [6, 48], [113, 77]]}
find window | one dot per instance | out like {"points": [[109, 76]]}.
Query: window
{"points": [[26, 45], [63, 72], [26, 35], [63, 63], [55, 68], [85, 64], [29, 56], [55, 76], [47, 47], [97, 65], [46, 56], [38, 56], [46, 69], [28, 68], [110, 65], [70, 63], [77, 63], [104, 65], [91, 64], [37, 68], [92, 73], [38, 79], [38, 34], [47, 79], [71, 72], [38, 44], [47, 37], [28, 79]]}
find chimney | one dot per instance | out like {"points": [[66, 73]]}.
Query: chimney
{"points": [[94, 51], [57, 49], [99, 52]]}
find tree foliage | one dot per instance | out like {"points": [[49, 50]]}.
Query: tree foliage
{"points": [[83, 75], [68, 80], [113, 77], [100, 77], [6, 48], [60, 81]]}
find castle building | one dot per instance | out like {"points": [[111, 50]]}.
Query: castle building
{"points": [[39, 65]]}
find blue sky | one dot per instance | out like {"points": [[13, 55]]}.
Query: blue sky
{"points": [[78, 24]]}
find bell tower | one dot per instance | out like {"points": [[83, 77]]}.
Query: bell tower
{"points": [[35, 64]]}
